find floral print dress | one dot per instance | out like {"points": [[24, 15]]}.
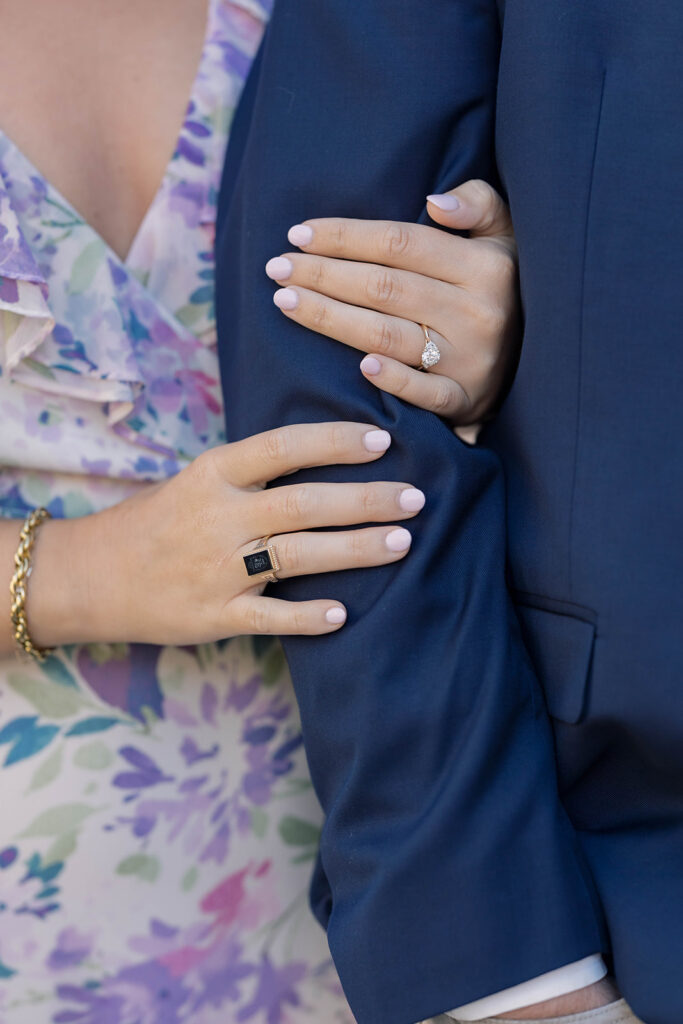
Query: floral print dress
{"points": [[157, 825]]}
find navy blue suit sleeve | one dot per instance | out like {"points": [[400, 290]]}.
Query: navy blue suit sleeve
{"points": [[448, 869]]}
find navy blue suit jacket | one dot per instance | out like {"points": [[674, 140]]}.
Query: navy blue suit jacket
{"points": [[449, 867], [590, 146]]}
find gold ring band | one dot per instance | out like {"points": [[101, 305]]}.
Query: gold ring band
{"points": [[262, 563]]}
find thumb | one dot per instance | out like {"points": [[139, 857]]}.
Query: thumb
{"points": [[473, 207]]}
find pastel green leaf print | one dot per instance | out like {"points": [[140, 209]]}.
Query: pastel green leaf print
{"points": [[102, 653], [86, 265], [98, 723], [95, 756], [75, 505], [297, 832], [36, 367], [189, 879], [61, 849], [48, 770], [60, 819], [53, 702], [140, 864], [259, 822], [58, 672], [274, 665], [306, 855]]}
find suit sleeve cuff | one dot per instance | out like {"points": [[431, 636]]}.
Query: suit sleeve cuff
{"points": [[547, 986]]}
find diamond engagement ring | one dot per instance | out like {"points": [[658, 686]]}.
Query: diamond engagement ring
{"points": [[263, 562], [431, 353]]}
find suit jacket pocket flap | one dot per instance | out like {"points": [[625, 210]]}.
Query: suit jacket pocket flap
{"points": [[561, 648]]}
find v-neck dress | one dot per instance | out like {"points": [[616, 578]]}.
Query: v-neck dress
{"points": [[157, 821]]}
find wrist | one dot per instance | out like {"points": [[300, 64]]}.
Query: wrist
{"points": [[72, 593]]}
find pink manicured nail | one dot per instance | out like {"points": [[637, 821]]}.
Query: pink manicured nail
{"points": [[448, 203], [398, 540], [412, 500], [370, 365], [286, 298], [377, 440], [279, 268], [300, 235], [335, 616]]}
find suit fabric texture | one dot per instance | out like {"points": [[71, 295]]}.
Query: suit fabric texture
{"points": [[590, 112], [449, 867]]}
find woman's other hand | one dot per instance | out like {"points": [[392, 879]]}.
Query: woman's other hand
{"points": [[371, 284], [167, 565]]}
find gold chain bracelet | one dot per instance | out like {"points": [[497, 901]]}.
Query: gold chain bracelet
{"points": [[19, 583]]}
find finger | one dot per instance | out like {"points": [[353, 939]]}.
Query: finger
{"points": [[414, 247], [393, 292], [268, 616], [430, 391], [360, 328], [304, 554], [275, 453], [308, 506], [475, 207]]}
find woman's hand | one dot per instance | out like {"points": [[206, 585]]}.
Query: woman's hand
{"points": [[167, 565], [371, 284]]}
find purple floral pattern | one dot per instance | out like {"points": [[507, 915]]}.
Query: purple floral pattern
{"points": [[159, 824]]}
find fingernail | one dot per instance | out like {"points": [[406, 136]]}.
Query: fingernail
{"points": [[286, 298], [398, 540], [412, 500], [377, 440], [279, 268], [300, 235], [449, 203], [335, 616], [370, 365]]}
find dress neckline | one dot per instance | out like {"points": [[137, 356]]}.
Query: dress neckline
{"points": [[72, 210]]}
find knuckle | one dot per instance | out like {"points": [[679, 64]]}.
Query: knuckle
{"points": [[296, 503], [338, 440], [397, 240], [401, 383], [490, 319], [258, 619], [370, 499], [338, 235], [488, 200], [292, 553], [320, 315], [277, 444], [356, 547], [442, 397], [300, 623], [203, 470], [502, 268], [481, 188], [317, 274], [382, 287], [386, 337]]}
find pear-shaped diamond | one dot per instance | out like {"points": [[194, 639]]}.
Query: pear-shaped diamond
{"points": [[430, 355]]}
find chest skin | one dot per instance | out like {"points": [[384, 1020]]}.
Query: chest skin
{"points": [[94, 95]]}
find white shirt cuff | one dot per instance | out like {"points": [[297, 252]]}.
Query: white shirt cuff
{"points": [[547, 986]]}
